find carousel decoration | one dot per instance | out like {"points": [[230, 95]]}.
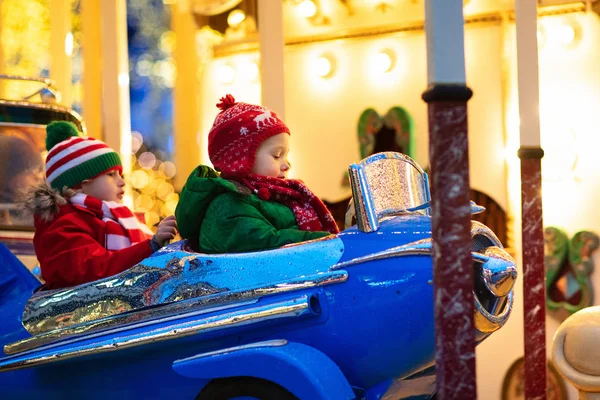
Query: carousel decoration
{"points": [[214, 7], [513, 386], [569, 265], [392, 132]]}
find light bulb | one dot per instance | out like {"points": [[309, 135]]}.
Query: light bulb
{"points": [[235, 18], [307, 8], [69, 44], [566, 34], [323, 66], [383, 61]]}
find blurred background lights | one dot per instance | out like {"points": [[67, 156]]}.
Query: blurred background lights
{"points": [[69, 44], [164, 189], [383, 61], [165, 72], [566, 34], [323, 66], [235, 18], [248, 71], [139, 179], [151, 184], [136, 141], [307, 8], [123, 79], [171, 203], [143, 201], [168, 169], [559, 32], [152, 218], [147, 160], [143, 67], [167, 42], [225, 74]]}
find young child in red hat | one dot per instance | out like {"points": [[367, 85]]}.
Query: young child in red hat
{"points": [[83, 232], [250, 205]]}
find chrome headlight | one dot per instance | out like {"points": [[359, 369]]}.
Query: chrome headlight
{"points": [[495, 273]]}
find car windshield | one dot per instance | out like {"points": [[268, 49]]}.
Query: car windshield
{"points": [[397, 183], [21, 166], [387, 184]]}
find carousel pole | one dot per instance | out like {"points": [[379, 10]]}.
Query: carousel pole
{"points": [[92, 78], [531, 154], [186, 110], [60, 60], [115, 82], [270, 33], [447, 97]]}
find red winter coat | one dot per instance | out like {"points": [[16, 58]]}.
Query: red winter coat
{"points": [[70, 249]]}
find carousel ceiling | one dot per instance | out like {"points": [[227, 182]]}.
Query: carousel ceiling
{"points": [[214, 7]]}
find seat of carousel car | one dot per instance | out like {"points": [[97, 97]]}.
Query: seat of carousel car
{"points": [[176, 278]]}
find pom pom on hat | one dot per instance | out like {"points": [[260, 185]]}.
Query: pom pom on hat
{"points": [[59, 131], [226, 102]]}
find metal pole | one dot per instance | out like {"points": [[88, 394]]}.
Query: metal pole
{"points": [[531, 153], [447, 97], [60, 61], [92, 78], [270, 32], [115, 82], [186, 97]]}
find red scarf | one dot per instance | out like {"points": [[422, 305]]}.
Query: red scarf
{"points": [[310, 212], [123, 229]]}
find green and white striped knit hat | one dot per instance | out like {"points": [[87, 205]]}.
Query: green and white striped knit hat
{"points": [[73, 159]]}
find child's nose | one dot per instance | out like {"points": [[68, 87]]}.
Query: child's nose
{"points": [[121, 181], [286, 165]]}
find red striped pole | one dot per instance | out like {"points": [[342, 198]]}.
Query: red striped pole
{"points": [[530, 153], [447, 97]]}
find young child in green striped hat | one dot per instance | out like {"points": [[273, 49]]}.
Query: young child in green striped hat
{"points": [[83, 231]]}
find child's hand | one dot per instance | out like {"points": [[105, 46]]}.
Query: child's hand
{"points": [[167, 230]]}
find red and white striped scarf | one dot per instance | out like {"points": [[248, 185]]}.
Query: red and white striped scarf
{"points": [[122, 228]]}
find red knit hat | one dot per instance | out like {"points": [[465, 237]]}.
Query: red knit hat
{"points": [[237, 132]]}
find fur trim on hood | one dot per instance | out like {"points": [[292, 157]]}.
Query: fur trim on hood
{"points": [[45, 202]]}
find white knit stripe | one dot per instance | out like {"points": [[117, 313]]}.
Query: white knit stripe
{"points": [[117, 242], [77, 161], [106, 205], [144, 228], [53, 152], [130, 223], [54, 158]]}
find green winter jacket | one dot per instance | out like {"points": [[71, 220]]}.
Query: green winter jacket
{"points": [[224, 217]]}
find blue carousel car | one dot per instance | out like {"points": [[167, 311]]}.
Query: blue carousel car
{"points": [[348, 316]]}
